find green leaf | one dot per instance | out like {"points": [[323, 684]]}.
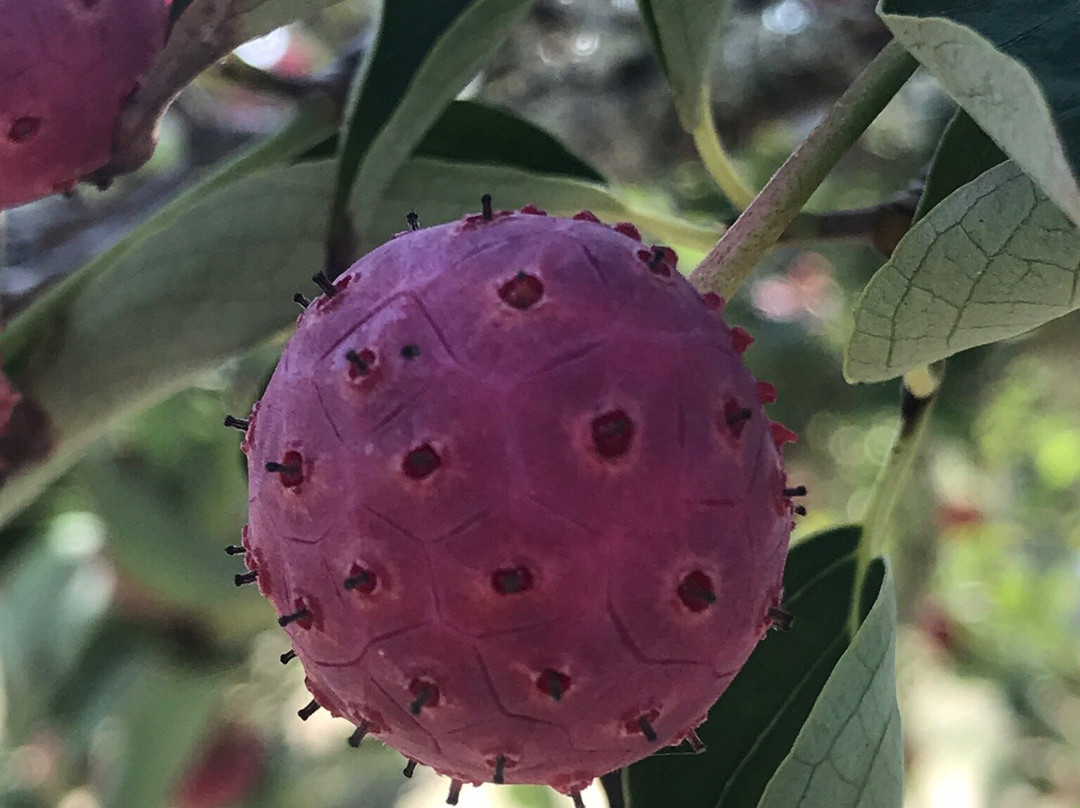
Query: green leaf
{"points": [[257, 17], [997, 258], [756, 723], [425, 53], [684, 34], [1012, 66], [964, 152], [850, 751]]}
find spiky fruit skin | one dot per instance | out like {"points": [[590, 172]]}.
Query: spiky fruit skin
{"points": [[509, 539], [66, 69]]}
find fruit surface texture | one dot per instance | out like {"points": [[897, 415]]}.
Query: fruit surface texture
{"points": [[515, 499], [66, 69]]}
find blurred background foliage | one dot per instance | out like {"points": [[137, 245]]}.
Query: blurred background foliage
{"points": [[135, 675]]}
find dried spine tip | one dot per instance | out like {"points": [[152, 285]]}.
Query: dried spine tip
{"points": [[738, 416], [553, 683], [324, 284], [363, 580], [306, 712], [242, 578], [797, 491], [360, 365], [485, 207], [800, 510], [358, 734], [781, 620], [425, 694], [578, 801], [235, 549], [413, 219], [696, 591], [695, 742], [455, 792], [647, 729], [236, 423], [301, 301], [298, 615], [500, 770], [287, 657], [410, 767], [282, 468]]}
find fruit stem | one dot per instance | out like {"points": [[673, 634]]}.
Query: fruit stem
{"points": [[715, 158], [920, 390], [760, 226]]}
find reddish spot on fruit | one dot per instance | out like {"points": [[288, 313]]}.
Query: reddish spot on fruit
{"points": [[421, 462], [23, 129], [697, 592], [290, 470], [361, 580], [781, 434], [425, 695], [586, 216], [612, 434], [627, 229], [512, 581], [534, 210], [553, 683], [741, 339], [766, 393], [523, 291], [713, 301]]}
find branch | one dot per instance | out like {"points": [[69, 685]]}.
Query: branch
{"points": [[881, 226]]}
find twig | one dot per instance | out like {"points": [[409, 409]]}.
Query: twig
{"points": [[881, 226], [760, 226]]}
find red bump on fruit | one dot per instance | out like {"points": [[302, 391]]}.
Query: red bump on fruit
{"points": [[766, 393], [534, 210], [741, 339], [501, 544], [627, 229], [781, 434], [713, 301], [586, 216]]}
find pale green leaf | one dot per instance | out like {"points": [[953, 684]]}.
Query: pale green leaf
{"points": [[685, 35], [995, 259], [1011, 65], [849, 753], [258, 17]]}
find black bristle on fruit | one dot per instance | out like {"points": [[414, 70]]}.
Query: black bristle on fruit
{"points": [[287, 657], [738, 416], [800, 510], [324, 284], [647, 729], [285, 619], [236, 423], [797, 491], [354, 359], [485, 207], [417, 704], [309, 710], [358, 735], [242, 578], [657, 257], [235, 549], [695, 742], [282, 468], [301, 301], [413, 219], [781, 620], [576, 797], [358, 580], [455, 792], [410, 767], [500, 770]]}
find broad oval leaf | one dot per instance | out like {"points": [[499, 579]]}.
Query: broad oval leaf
{"points": [[1012, 66], [850, 751], [425, 53], [995, 259], [758, 721], [964, 152], [684, 34]]}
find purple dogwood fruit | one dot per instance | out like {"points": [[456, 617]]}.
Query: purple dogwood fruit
{"points": [[515, 499]]}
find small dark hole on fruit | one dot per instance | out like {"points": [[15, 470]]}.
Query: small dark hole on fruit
{"points": [[361, 580], [553, 683], [612, 434], [421, 462], [522, 291], [361, 363], [512, 581], [697, 592], [22, 129], [410, 351]]}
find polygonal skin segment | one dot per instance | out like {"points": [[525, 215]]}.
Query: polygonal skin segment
{"points": [[66, 69], [538, 489]]}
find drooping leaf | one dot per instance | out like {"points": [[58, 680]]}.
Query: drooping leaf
{"points": [[997, 258], [850, 751], [1011, 65], [425, 53], [685, 35], [964, 152], [754, 726]]}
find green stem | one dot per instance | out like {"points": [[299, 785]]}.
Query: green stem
{"points": [[760, 226], [919, 393], [717, 161]]}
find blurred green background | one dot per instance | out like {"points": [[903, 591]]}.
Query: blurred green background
{"points": [[135, 675]]}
